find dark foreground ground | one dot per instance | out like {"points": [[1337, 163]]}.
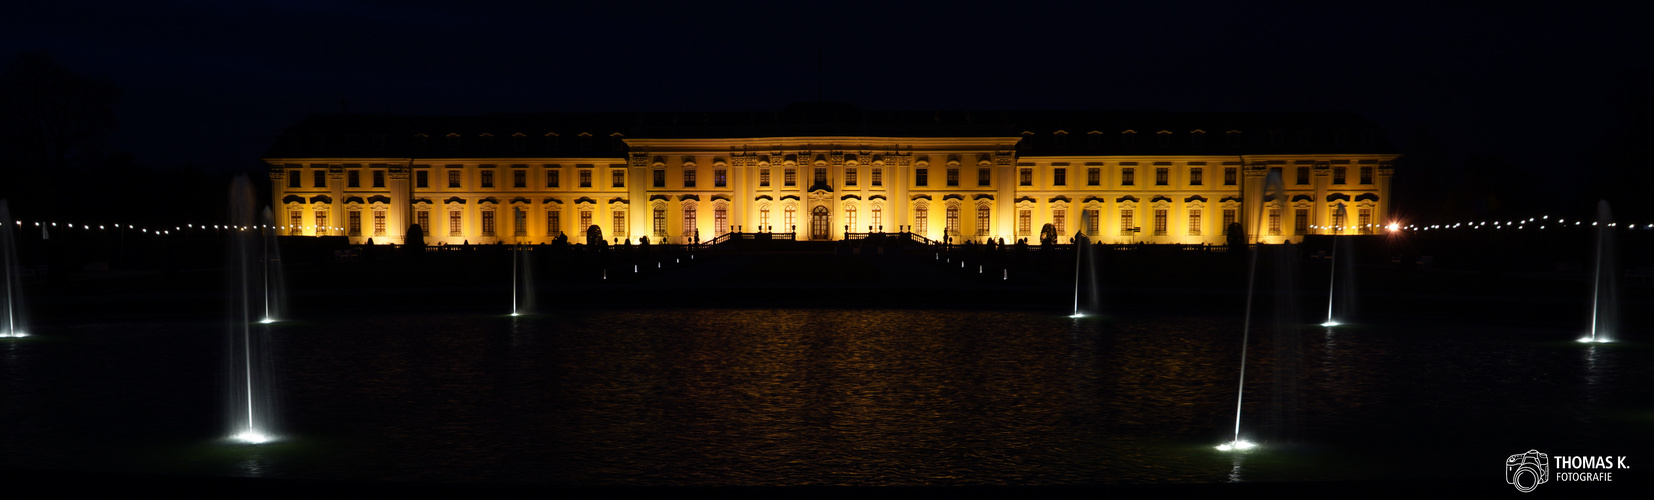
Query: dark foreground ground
{"points": [[70, 483]]}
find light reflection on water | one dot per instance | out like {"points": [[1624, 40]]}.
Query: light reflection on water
{"points": [[788, 397]]}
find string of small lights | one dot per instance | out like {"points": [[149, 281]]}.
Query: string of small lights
{"points": [[48, 226]]}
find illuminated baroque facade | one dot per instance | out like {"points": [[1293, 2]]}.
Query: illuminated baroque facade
{"points": [[820, 171]]}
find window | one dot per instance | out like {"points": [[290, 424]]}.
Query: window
{"points": [[422, 179], [487, 179], [619, 219], [982, 221], [1276, 171], [1228, 219], [719, 179], [764, 218], [688, 178], [1228, 177], [1128, 176], [378, 222], [519, 222], [763, 177], [1274, 221], [849, 176], [660, 222], [423, 218], [921, 177], [454, 226], [1093, 176], [921, 219], [320, 179], [293, 178], [378, 178], [1059, 176], [1300, 221], [1162, 176], [878, 218], [554, 177], [585, 221], [1025, 177], [720, 220], [789, 177], [1338, 174], [519, 178], [1059, 220], [689, 229], [660, 178], [1302, 176], [1366, 175], [1025, 222], [953, 177], [554, 222], [1194, 176], [1194, 222], [617, 178], [487, 222], [1364, 218], [790, 223], [850, 218], [355, 227], [984, 176], [453, 179], [353, 178], [1159, 222], [878, 176], [1091, 217], [585, 178], [821, 176], [321, 222], [1125, 221], [295, 219]]}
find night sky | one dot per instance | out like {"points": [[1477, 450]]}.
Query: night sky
{"points": [[212, 83]]}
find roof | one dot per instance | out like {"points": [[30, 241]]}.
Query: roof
{"points": [[1043, 132]]}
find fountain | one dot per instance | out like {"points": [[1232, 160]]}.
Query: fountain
{"points": [[247, 356], [1272, 190], [1604, 299], [275, 295], [11, 324], [522, 280]]}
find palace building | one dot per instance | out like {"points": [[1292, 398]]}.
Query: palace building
{"points": [[826, 171]]}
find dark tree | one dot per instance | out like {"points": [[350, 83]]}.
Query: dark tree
{"points": [[1048, 234], [50, 120], [594, 235]]}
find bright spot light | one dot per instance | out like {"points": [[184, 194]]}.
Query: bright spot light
{"points": [[1393, 227], [1237, 445], [13, 335], [252, 436], [1589, 340], [515, 315], [1331, 323], [267, 320], [1077, 315]]}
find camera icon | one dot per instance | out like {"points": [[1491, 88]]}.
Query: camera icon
{"points": [[1527, 471]]}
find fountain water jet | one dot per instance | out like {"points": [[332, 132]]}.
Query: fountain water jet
{"points": [[11, 324], [249, 415], [1604, 296], [522, 280], [1272, 186], [275, 295]]}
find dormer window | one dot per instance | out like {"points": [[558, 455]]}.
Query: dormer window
{"points": [[1128, 139], [453, 142]]}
